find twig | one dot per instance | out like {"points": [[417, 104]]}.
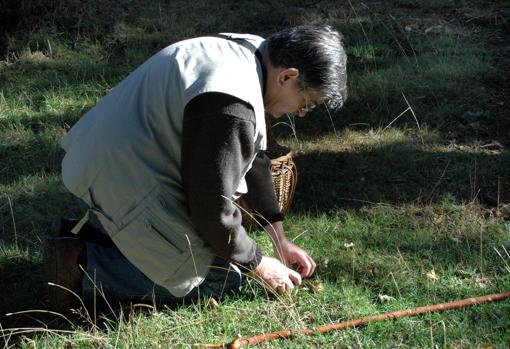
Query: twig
{"points": [[194, 267], [444, 333], [243, 342], [415, 118], [39, 311], [291, 124], [5, 338], [392, 121], [431, 332], [504, 261], [481, 249], [440, 180], [299, 235], [396, 285], [13, 222], [74, 294], [21, 330], [403, 260], [409, 108], [508, 255], [330, 118]]}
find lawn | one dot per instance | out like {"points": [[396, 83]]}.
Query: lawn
{"points": [[403, 196]]}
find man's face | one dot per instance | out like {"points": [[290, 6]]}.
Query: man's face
{"points": [[293, 99]]}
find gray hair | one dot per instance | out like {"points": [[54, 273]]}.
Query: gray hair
{"points": [[317, 52]]}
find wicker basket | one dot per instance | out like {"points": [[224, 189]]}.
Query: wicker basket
{"points": [[284, 175]]}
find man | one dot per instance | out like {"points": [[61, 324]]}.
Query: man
{"points": [[158, 162]]}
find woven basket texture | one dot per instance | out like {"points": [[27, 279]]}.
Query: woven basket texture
{"points": [[284, 174]]}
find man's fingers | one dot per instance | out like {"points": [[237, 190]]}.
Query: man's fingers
{"points": [[294, 277], [284, 287], [314, 265], [277, 276], [305, 267]]}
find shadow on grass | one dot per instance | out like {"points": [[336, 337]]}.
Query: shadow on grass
{"points": [[37, 204], [399, 173], [30, 145], [22, 286]]}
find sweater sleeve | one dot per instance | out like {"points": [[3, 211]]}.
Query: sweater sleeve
{"points": [[217, 143]]}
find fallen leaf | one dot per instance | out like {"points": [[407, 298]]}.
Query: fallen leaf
{"points": [[212, 304], [455, 239], [325, 262], [308, 318], [316, 286], [385, 298], [463, 273], [431, 276], [483, 281]]}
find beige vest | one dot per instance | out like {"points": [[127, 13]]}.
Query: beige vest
{"points": [[123, 157]]}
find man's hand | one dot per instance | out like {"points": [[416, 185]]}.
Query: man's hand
{"points": [[276, 275], [288, 253]]}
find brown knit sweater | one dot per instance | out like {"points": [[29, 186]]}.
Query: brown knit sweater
{"points": [[217, 142]]}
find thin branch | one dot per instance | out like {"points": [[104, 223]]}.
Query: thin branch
{"points": [[39, 311], [507, 267], [392, 121], [439, 180], [415, 118], [13, 222], [330, 118], [265, 337]]}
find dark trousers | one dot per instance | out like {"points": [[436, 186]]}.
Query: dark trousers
{"points": [[111, 274]]}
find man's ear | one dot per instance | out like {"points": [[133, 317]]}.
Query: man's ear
{"points": [[286, 74]]}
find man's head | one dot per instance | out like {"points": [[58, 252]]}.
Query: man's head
{"points": [[307, 66]]}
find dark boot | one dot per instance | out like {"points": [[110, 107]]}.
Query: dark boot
{"points": [[62, 257]]}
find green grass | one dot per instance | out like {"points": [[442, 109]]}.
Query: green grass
{"points": [[412, 196]]}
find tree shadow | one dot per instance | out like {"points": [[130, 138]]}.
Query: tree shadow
{"points": [[396, 174], [380, 66], [31, 144], [22, 289]]}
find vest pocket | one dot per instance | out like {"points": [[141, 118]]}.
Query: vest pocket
{"points": [[150, 234], [152, 225], [148, 243], [160, 215], [156, 235]]}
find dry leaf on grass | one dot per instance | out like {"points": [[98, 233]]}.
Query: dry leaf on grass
{"points": [[308, 318], [315, 286], [483, 281], [432, 276], [385, 298], [213, 304], [325, 262]]}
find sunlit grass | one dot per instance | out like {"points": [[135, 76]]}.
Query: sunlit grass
{"points": [[385, 198]]}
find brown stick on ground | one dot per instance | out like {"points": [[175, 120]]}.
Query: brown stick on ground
{"points": [[243, 342]]}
